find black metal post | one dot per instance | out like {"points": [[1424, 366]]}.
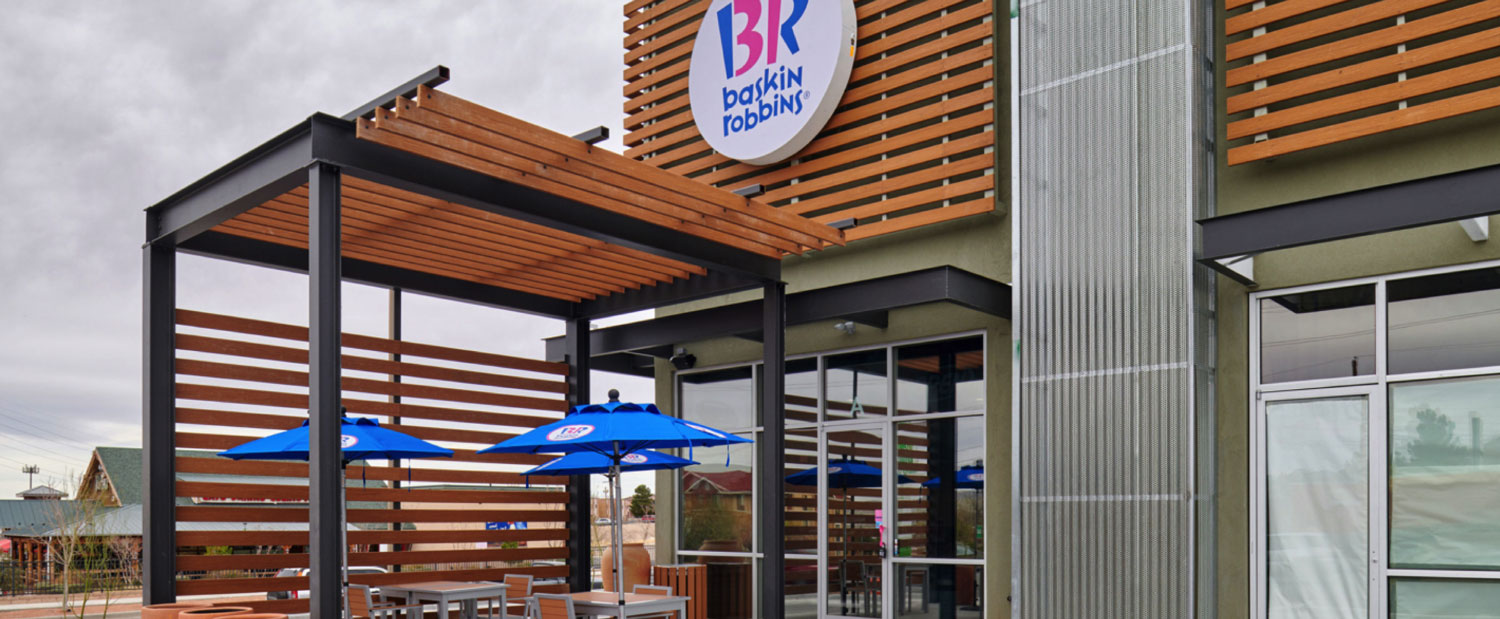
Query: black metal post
{"points": [[158, 466], [580, 508], [326, 524], [772, 448], [395, 420]]}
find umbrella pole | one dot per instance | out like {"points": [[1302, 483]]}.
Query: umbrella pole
{"points": [[614, 473]]}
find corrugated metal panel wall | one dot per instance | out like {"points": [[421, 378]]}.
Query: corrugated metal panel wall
{"points": [[1112, 312]]}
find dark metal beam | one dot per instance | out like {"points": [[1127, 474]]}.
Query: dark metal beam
{"points": [[334, 141], [772, 444], [325, 458], [864, 302], [580, 503], [1420, 202], [261, 253], [158, 428], [267, 171], [677, 291], [432, 78], [593, 136]]}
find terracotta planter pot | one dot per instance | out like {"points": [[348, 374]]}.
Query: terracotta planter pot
{"points": [[215, 611], [260, 616], [169, 611], [637, 566]]}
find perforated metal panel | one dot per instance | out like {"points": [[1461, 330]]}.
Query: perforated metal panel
{"points": [[1112, 314]]}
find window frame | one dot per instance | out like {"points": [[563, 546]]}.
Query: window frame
{"points": [[1379, 385]]}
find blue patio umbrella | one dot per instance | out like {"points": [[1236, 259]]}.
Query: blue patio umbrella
{"points": [[844, 474], [969, 477], [360, 439], [615, 430], [589, 462]]}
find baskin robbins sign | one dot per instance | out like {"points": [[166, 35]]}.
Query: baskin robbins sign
{"points": [[766, 75]]}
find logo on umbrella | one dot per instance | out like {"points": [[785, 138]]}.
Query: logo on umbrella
{"points": [[568, 433], [835, 469], [977, 477], [633, 459], [346, 441]]}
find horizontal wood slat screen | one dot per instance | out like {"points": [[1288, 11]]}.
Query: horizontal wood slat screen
{"points": [[241, 523], [1308, 73], [912, 142]]}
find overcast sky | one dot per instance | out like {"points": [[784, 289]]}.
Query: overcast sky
{"points": [[111, 106]]}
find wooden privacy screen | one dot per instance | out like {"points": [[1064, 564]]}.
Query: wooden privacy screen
{"points": [[913, 140], [240, 379], [1306, 73]]}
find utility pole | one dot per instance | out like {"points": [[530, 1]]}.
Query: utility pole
{"points": [[30, 470]]}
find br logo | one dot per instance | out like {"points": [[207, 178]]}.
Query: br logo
{"points": [[633, 459], [346, 441], [568, 433], [758, 37]]}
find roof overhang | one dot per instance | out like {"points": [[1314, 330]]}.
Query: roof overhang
{"points": [[1398, 206], [633, 348]]}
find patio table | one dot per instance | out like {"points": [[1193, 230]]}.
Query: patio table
{"points": [[606, 604], [444, 593]]}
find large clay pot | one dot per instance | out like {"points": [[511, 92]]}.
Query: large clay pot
{"points": [[261, 616], [215, 611], [169, 611], [637, 566]]}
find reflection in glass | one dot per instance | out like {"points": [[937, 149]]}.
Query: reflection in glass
{"points": [[857, 386], [717, 500], [802, 391], [723, 399], [1413, 598], [1445, 474], [1317, 508], [1319, 334], [924, 590], [801, 588], [940, 377], [942, 514], [731, 586], [801, 500], [855, 520], [1444, 322]]}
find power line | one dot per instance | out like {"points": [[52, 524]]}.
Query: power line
{"points": [[21, 420]]}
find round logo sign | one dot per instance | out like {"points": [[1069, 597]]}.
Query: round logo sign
{"points": [[977, 477], [633, 459], [835, 469], [568, 433], [766, 75], [346, 441]]}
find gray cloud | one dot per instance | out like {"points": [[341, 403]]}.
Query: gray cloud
{"points": [[112, 106]]}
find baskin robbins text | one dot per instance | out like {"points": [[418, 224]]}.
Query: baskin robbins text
{"points": [[777, 90]]}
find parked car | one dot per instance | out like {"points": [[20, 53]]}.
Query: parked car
{"points": [[648, 518], [603, 521], [302, 571]]}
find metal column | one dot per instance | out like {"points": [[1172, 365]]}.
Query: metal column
{"points": [[580, 512], [158, 466], [325, 474], [394, 333], [772, 448]]}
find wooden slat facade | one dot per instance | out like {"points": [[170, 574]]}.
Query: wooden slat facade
{"points": [[240, 378], [1309, 73], [912, 142]]}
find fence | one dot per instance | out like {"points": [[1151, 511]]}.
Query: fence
{"points": [[16, 580]]}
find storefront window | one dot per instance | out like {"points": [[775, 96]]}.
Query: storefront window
{"points": [[940, 513], [1318, 334], [928, 590], [857, 387], [717, 499], [1413, 598], [801, 524], [801, 392], [940, 377], [1444, 322], [723, 399], [1445, 474]]}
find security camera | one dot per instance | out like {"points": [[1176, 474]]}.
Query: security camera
{"points": [[847, 326], [682, 360]]}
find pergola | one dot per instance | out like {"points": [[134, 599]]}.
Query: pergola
{"points": [[425, 192]]}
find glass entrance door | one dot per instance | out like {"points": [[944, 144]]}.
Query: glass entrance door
{"points": [[1318, 555], [854, 508]]}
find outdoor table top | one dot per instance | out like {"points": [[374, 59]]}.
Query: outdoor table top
{"points": [[444, 586]]}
